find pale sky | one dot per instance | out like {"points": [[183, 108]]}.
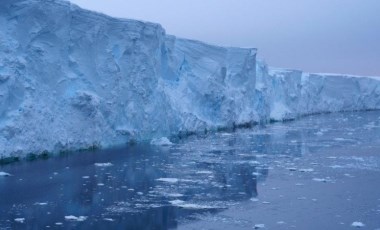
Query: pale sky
{"points": [[333, 36]]}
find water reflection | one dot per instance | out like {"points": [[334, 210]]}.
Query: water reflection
{"points": [[146, 187]]}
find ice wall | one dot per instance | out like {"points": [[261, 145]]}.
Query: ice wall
{"points": [[73, 79], [289, 94]]}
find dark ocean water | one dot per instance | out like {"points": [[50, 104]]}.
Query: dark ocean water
{"points": [[319, 172]]}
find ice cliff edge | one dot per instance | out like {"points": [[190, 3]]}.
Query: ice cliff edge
{"points": [[73, 79]]}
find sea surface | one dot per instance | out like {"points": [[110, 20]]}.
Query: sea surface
{"points": [[317, 172]]}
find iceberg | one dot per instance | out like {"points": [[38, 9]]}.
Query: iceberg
{"points": [[73, 79]]}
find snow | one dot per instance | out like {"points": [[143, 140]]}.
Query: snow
{"points": [[72, 79]]}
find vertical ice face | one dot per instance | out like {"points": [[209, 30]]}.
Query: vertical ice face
{"points": [[291, 93], [210, 86], [72, 79]]}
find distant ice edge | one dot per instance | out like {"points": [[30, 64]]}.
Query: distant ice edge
{"points": [[73, 79]]}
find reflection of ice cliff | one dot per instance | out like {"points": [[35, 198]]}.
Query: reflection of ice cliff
{"points": [[72, 79]]}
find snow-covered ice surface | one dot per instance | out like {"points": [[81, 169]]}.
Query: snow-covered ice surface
{"points": [[73, 79], [282, 176]]}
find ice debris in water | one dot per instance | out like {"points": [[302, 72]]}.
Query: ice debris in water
{"points": [[4, 174], [320, 179], [258, 226], [176, 202], [357, 224], [163, 141], [41, 203], [103, 164], [20, 220], [74, 218], [306, 170], [168, 180]]}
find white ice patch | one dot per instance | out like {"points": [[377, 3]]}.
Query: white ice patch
{"points": [[168, 180], [306, 170], [321, 180], [174, 195], [176, 202], [20, 220], [163, 141], [204, 172], [258, 226], [41, 203], [357, 224], [74, 218], [103, 164], [4, 174]]}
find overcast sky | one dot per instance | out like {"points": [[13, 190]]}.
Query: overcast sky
{"points": [[334, 36]]}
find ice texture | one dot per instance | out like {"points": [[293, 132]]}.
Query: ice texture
{"points": [[74, 79]]}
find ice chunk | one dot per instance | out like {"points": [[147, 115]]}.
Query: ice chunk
{"points": [[103, 164], [168, 180], [163, 141], [306, 170], [20, 220], [357, 224], [74, 218], [41, 203], [258, 226], [4, 174]]}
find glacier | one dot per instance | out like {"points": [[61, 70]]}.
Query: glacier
{"points": [[74, 79]]}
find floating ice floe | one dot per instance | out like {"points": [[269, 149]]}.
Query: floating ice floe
{"points": [[306, 170], [163, 141], [204, 172], [103, 164], [4, 174], [336, 166], [320, 179], [74, 218], [168, 180], [174, 195], [176, 202], [183, 204], [41, 203], [20, 220], [357, 224], [258, 226]]}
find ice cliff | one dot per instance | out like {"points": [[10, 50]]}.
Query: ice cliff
{"points": [[73, 79]]}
